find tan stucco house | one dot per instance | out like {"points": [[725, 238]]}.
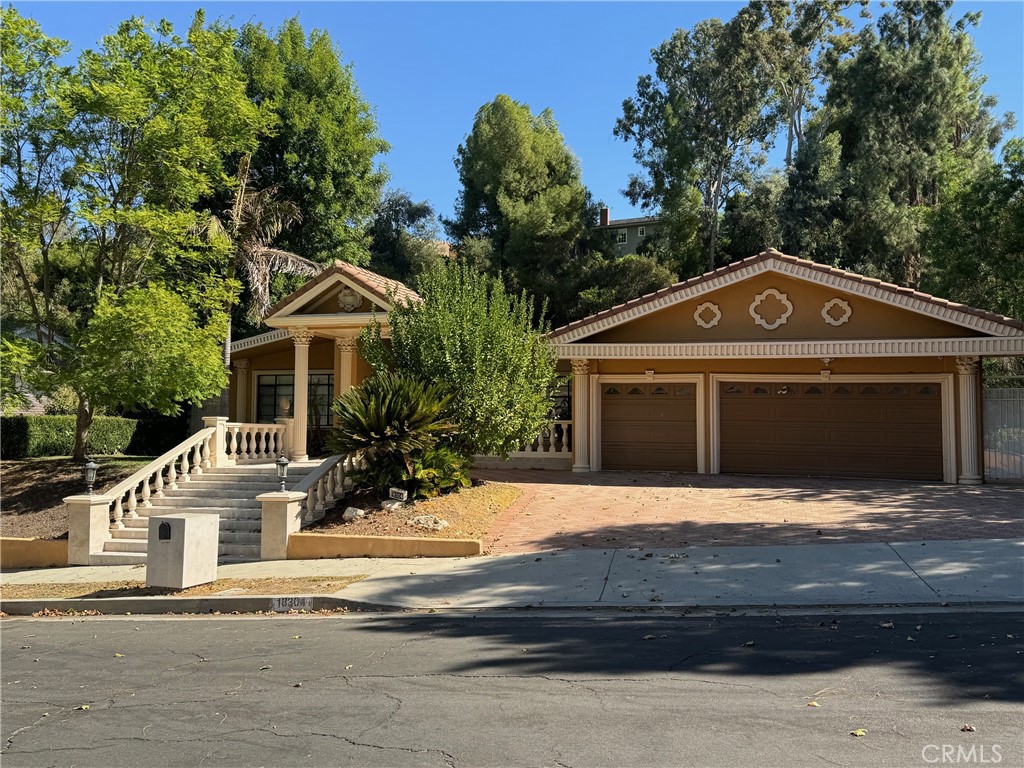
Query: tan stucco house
{"points": [[770, 365]]}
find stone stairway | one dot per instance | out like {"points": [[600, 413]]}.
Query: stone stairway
{"points": [[227, 491]]}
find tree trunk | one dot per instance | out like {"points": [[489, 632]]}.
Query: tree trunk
{"points": [[82, 423], [713, 245], [227, 344]]}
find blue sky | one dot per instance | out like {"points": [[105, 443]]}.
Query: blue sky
{"points": [[428, 67]]}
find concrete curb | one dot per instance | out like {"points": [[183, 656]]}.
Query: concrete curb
{"points": [[142, 606], [202, 605]]}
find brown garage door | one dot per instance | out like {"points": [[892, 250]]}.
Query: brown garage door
{"points": [[832, 430], [649, 426]]}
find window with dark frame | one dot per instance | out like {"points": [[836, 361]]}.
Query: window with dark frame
{"points": [[275, 397]]}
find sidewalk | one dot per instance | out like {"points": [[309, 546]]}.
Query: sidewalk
{"points": [[916, 573]]}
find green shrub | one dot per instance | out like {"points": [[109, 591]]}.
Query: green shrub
{"points": [[388, 422], [439, 470], [30, 436], [156, 435]]}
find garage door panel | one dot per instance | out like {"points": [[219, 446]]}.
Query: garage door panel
{"points": [[649, 426], [854, 430]]}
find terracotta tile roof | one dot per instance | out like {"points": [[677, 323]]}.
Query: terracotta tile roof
{"points": [[771, 255], [377, 285]]}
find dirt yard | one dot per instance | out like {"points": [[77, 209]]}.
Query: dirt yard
{"points": [[32, 491], [306, 585]]}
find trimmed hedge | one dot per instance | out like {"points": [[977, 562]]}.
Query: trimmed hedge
{"points": [[29, 436], [155, 435]]}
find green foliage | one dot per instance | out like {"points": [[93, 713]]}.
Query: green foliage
{"points": [[321, 153], [63, 401], [703, 120], [975, 238], [811, 213], [103, 165], [18, 360], [404, 238], [145, 349], [751, 222], [32, 436], [615, 281], [521, 190], [481, 343], [913, 123], [439, 470], [387, 421]]}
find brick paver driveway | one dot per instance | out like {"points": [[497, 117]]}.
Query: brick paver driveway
{"points": [[560, 510]]}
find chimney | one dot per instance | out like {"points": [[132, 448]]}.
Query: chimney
{"points": [[605, 213]]}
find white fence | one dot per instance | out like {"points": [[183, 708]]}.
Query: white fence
{"points": [[1004, 433]]}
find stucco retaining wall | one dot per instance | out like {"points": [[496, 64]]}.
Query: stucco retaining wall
{"points": [[33, 553]]}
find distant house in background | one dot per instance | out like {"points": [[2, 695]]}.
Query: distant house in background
{"points": [[628, 233]]}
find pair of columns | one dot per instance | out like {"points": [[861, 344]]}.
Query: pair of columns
{"points": [[344, 377], [968, 426]]}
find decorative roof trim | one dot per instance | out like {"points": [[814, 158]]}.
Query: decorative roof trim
{"points": [[977, 345], [773, 261], [258, 341]]}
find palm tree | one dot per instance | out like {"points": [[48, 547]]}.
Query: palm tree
{"points": [[255, 219]]}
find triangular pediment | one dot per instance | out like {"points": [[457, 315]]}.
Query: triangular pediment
{"points": [[773, 297], [343, 289]]}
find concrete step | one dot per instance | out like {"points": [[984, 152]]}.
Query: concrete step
{"points": [[131, 532], [117, 558], [141, 524], [231, 484], [234, 513], [240, 551], [240, 537], [204, 501], [125, 545], [265, 470]]}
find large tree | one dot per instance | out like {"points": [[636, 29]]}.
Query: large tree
{"points": [[703, 119], [522, 191], [404, 238], [913, 122], [103, 164], [321, 155]]}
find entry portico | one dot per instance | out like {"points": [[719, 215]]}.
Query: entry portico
{"points": [[314, 344]]}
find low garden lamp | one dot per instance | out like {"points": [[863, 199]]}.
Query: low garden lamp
{"points": [[90, 473], [282, 469]]}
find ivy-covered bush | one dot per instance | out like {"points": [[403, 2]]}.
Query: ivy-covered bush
{"points": [[439, 470], [30, 436]]}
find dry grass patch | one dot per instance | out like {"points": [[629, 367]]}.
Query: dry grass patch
{"points": [[305, 585], [469, 513]]}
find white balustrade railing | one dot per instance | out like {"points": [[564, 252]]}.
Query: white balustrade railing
{"points": [[255, 442], [323, 487], [554, 440], [172, 470]]}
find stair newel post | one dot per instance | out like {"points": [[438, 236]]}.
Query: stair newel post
{"points": [[133, 502], [172, 476], [118, 514], [158, 483], [184, 467], [146, 493]]}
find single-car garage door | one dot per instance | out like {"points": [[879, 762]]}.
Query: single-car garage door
{"points": [[649, 426], [891, 430]]}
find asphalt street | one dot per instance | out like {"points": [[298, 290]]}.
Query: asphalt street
{"points": [[515, 689]]}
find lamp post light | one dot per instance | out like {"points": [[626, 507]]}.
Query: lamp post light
{"points": [[90, 473], [282, 469]]}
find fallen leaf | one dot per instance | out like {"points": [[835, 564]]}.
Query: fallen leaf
{"points": [[296, 637], [886, 625], [650, 637], [349, 666], [297, 685], [813, 704], [265, 666], [118, 655], [968, 728], [910, 639], [82, 706], [748, 644], [859, 732]]}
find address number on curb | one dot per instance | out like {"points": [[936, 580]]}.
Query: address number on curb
{"points": [[285, 604], [398, 494]]}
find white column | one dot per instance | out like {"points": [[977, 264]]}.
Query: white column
{"points": [[580, 415], [967, 389], [301, 338], [344, 365], [241, 389]]}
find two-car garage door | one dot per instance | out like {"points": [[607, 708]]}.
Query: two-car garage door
{"points": [[825, 429], [873, 429]]}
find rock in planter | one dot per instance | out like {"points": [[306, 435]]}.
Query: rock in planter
{"points": [[433, 522], [353, 513], [392, 506]]}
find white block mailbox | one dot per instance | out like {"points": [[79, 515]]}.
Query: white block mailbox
{"points": [[182, 550]]}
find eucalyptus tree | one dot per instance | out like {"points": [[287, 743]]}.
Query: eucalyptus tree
{"points": [[703, 120]]}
